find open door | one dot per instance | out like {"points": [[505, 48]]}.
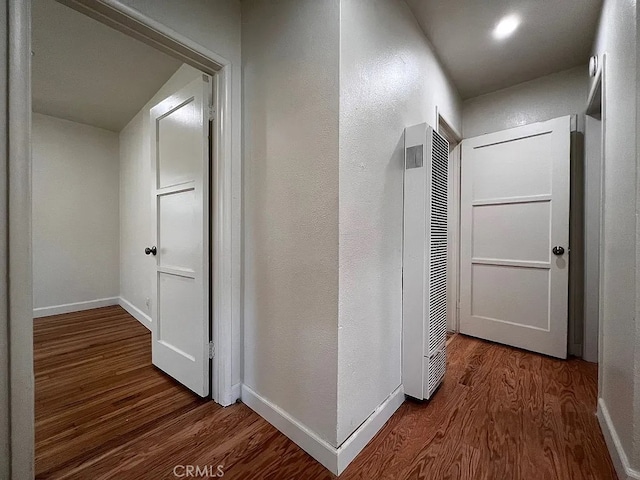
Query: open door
{"points": [[515, 237], [180, 190]]}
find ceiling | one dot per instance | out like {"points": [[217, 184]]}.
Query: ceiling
{"points": [[554, 35], [89, 73]]}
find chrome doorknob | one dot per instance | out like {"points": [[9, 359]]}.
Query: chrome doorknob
{"points": [[556, 250], [151, 251]]}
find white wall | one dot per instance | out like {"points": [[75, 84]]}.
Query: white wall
{"points": [[291, 102], [326, 100], [635, 462], [619, 329], [75, 212], [5, 403], [544, 98], [136, 268], [389, 79], [215, 24]]}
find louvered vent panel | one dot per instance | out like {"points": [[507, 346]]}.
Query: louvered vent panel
{"points": [[436, 366], [437, 330]]}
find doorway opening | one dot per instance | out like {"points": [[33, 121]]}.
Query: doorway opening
{"points": [[454, 138], [127, 143], [593, 228]]}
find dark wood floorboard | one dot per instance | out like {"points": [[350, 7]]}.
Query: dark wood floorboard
{"points": [[104, 412]]}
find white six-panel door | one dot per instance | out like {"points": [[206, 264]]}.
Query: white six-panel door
{"points": [[180, 172], [514, 211]]}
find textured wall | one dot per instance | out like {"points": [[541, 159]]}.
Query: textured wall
{"points": [[290, 64], [75, 212], [636, 397], [389, 79], [617, 37], [544, 98], [4, 257]]}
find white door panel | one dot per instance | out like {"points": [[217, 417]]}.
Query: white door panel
{"points": [[504, 292], [180, 163], [514, 210], [507, 169]]}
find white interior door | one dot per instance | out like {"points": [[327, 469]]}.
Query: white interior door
{"points": [[514, 212], [180, 172]]}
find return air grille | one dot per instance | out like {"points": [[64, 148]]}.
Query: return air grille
{"points": [[436, 365], [437, 301]]}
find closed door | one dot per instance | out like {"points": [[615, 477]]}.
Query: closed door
{"points": [[180, 163], [515, 235]]}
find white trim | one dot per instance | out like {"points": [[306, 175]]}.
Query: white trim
{"points": [[618, 455], [20, 328], [603, 156], [594, 100], [449, 130], [128, 20], [225, 309], [335, 459], [236, 393], [304, 437], [359, 439], [74, 307], [135, 312], [455, 233]]}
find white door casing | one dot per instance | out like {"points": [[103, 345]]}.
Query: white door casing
{"points": [[180, 192], [453, 251], [514, 210]]}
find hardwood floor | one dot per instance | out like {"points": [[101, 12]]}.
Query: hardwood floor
{"points": [[104, 412], [96, 387]]}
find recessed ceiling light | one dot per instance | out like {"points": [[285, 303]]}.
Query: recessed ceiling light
{"points": [[506, 27]]}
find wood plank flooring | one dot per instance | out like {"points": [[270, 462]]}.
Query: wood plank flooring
{"points": [[104, 412]]}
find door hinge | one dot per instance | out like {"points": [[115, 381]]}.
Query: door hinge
{"points": [[212, 113], [212, 350]]}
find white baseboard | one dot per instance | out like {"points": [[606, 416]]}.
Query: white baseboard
{"points": [[359, 439], [135, 312], [74, 307], [618, 455], [321, 450], [335, 459]]}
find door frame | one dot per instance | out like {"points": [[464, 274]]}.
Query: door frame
{"points": [[225, 265], [596, 101], [446, 129]]}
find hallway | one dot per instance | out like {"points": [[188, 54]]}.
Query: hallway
{"points": [[103, 411]]}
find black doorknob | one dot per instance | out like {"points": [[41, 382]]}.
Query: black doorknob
{"points": [[151, 251], [556, 250]]}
